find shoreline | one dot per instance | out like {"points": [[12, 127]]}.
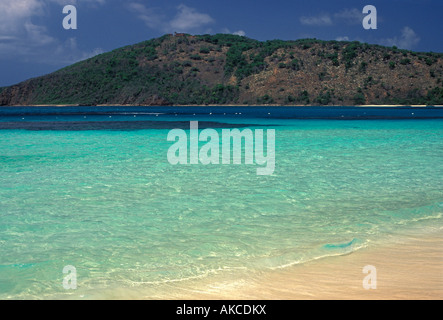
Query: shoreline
{"points": [[221, 106], [409, 269]]}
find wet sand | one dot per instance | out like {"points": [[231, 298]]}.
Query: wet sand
{"points": [[410, 268]]}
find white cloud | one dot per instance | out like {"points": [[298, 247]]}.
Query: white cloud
{"points": [[151, 18], [38, 34], [321, 20], [7, 38], [345, 38], [408, 39], [77, 2], [68, 52], [237, 33], [349, 16], [14, 13], [187, 19], [18, 35], [21, 38]]}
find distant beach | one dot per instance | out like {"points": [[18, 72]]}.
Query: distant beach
{"points": [[221, 106]]}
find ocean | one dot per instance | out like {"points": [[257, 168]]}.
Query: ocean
{"points": [[92, 188]]}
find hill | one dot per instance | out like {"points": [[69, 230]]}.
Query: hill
{"points": [[225, 69]]}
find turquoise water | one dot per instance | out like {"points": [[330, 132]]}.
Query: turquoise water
{"points": [[109, 203]]}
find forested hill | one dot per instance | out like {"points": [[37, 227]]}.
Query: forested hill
{"points": [[181, 69]]}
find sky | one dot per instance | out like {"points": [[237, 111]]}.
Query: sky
{"points": [[33, 41]]}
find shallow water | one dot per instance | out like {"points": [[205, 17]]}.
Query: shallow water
{"points": [[108, 202]]}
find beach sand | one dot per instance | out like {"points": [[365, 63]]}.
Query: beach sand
{"points": [[407, 268], [410, 268]]}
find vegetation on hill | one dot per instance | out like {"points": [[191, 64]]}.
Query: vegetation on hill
{"points": [[227, 69]]}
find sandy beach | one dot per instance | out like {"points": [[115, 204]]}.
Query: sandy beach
{"points": [[409, 269]]}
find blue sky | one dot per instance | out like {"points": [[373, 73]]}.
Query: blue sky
{"points": [[33, 41]]}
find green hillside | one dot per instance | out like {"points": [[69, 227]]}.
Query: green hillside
{"points": [[223, 69]]}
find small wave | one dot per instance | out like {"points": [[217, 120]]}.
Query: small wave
{"points": [[158, 282], [418, 219], [18, 265], [199, 276], [341, 245], [332, 250]]}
